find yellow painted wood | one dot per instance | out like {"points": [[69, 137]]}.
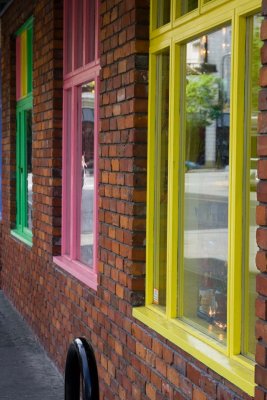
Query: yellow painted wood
{"points": [[181, 129], [150, 182], [173, 162], [230, 369], [235, 242], [226, 361]]}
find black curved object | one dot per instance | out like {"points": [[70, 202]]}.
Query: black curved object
{"points": [[81, 375]]}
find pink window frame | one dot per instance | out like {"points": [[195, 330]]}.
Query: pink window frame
{"points": [[72, 81]]}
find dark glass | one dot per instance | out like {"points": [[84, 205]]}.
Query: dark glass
{"points": [[69, 32], [79, 37], [185, 6], [163, 12], [91, 30]]}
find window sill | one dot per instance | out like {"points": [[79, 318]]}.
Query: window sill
{"points": [[26, 239], [83, 273], [231, 369]]}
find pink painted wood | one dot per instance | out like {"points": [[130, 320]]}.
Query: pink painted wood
{"points": [[73, 79]]}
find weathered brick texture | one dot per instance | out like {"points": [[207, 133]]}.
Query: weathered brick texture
{"points": [[134, 363], [261, 302]]}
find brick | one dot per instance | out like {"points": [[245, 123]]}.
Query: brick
{"points": [[262, 145], [261, 215], [260, 394], [193, 374], [261, 260], [261, 284], [198, 395], [263, 76], [133, 362], [264, 53], [262, 164], [264, 7], [261, 376], [261, 307], [261, 354], [261, 237], [262, 122]]}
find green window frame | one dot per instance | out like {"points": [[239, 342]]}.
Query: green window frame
{"points": [[173, 37], [24, 106]]}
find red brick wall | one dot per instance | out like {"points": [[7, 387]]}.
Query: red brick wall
{"points": [[134, 362], [261, 259]]}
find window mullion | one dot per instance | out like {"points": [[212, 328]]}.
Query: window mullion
{"points": [[181, 128], [96, 157], [73, 200], [157, 181], [18, 171], [235, 215], [173, 162], [151, 182]]}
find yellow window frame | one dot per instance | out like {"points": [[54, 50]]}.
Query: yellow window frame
{"points": [[225, 360]]}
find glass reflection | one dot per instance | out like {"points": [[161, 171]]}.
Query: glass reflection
{"points": [[185, 6], [163, 12], [206, 182], [29, 167], [87, 173]]}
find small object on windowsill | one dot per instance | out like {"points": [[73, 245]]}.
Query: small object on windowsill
{"points": [[213, 320]]}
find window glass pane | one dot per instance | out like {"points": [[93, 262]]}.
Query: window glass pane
{"points": [[28, 116], [91, 30], [254, 63], [67, 164], [161, 177], [87, 173], [68, 32], [163, 12], [206, 182], [79, 33], [185, 6]]}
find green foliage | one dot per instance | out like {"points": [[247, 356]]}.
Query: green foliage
{"points": [[204, 101]]}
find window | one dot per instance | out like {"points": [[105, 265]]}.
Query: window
{"points": [[201, 241], [23, 228], [80, 138]]}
